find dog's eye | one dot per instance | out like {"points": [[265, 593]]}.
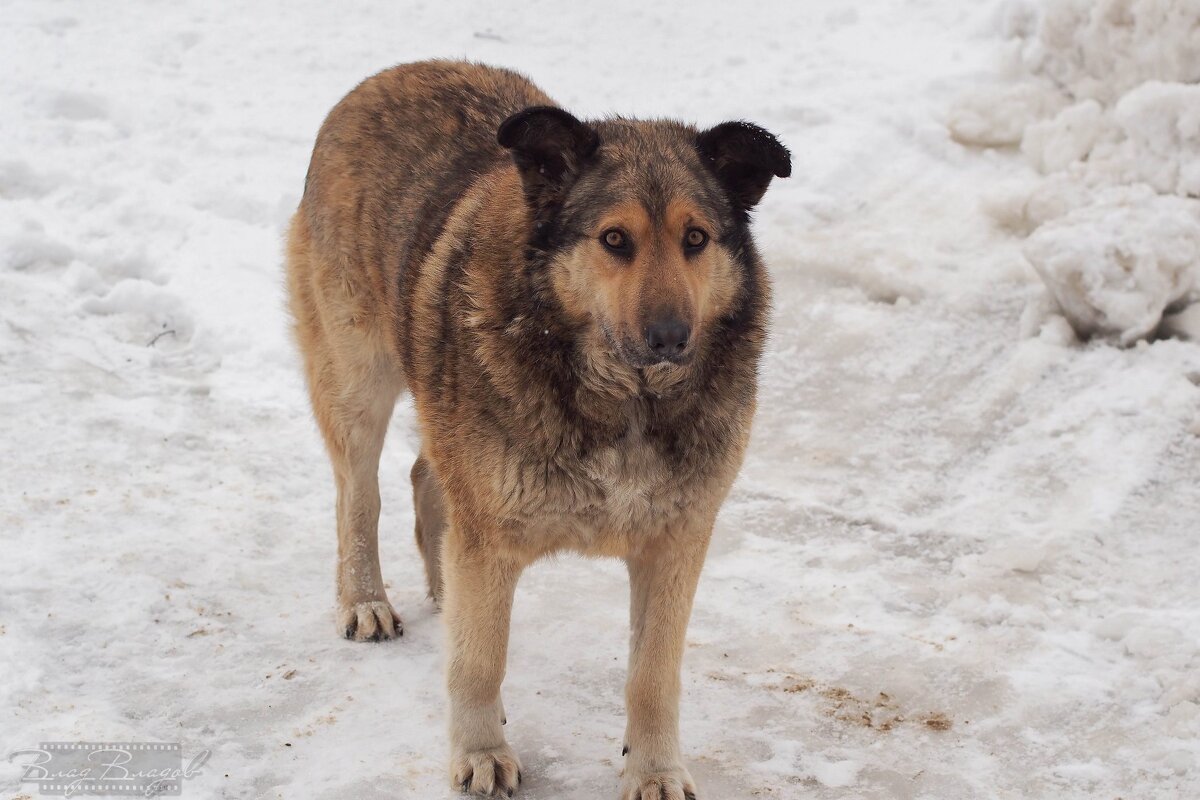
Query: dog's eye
{"points": [[615, 240], [695, 239]]}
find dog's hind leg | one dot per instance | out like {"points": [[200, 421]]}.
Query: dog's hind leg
{"points": [[358, 422], [354, 381], [431, 523]]}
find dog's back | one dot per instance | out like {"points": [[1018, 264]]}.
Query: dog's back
{"points": [[390, 162]]}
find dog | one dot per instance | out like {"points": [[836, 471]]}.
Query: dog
{"points": [[579, 311]]}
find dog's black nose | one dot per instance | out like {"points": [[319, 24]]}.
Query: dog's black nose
{"points": [[667, 338]]}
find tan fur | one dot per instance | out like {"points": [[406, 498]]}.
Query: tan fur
{"points": [[658, 280], [354, 383], [632, 462]]}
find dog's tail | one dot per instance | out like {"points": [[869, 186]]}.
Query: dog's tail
{"points": [[431, 523]]}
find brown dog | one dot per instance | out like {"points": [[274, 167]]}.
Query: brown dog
{"points": [[578, 310]]}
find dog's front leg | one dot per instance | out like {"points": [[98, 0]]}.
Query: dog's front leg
{"points": [[662, 580], [479, 586]]}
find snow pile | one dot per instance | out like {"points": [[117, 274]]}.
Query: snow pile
{"points": [[1107, 109], [1101, 50], [1161, 123], [1114, 265]]}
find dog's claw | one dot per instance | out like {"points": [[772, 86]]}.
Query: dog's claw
{"points": [[369, 621], [486, 773], [657, 784], [625, 750]]}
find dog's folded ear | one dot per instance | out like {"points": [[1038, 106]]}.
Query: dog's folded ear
{"points": [[744, 158], [548, 146]]}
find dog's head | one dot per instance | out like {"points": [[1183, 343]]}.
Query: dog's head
{"points": [[642, 225]]}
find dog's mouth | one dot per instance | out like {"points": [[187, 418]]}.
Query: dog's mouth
{"points": [[637, 355]]}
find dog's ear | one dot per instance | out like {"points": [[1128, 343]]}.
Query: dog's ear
{"points": [[744, 158], [548, 146]]}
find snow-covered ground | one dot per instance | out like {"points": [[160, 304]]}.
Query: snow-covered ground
{"points": [[961, 561]]}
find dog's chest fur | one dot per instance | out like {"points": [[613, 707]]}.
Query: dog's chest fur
{"points": [[630, 473], [627, 486]]}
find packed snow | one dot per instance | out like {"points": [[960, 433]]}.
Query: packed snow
{"points": [[960, 561], [1104, 100]]}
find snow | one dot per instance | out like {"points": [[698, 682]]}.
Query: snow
{"points": [[1162, 124], [1118, 263], [960, 560], [1103, 102], [1102, 49]]}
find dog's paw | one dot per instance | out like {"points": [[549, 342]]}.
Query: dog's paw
{"points": [[372, 621], [488, 773], [672, 784]]}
